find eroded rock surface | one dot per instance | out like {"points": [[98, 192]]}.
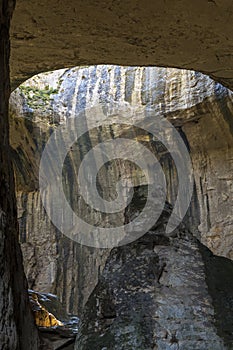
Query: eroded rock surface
{"points": [[51, 35], [43, 317], [199, 108], [160, 293], [56, 328], [17, 330]]}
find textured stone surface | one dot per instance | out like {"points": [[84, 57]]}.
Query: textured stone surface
{"points": [[51, 35], [17, 329], [42, 316], [155, 294], [190, 100], [57, 329], [206, 46]]}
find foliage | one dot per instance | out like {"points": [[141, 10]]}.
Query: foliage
{"points": [[38, 98]]}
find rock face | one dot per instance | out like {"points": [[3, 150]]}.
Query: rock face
{"points": [[57, 329], [190, 100], [52, 35], [17, 329], [42, 316], [160, 292]]}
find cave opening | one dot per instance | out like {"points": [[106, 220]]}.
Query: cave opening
{"points": [[191, 101], [157, 292]]}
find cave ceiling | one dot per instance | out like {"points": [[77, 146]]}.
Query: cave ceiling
{"points": [[186, 34]]}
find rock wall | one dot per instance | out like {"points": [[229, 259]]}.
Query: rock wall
{"points": [[17, 329], [52, 35], [199, 108], [160, 292]]}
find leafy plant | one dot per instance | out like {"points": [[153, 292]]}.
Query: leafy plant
{"points": [[38, 98]]}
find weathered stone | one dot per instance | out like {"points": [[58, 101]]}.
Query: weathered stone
{"points": [[17, 329], [190, 100], [57, 329], [51, 35], [160, 293], [208, 50], [43, 317]]}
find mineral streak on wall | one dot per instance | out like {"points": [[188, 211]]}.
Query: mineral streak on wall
{"points": [[200, 108]]}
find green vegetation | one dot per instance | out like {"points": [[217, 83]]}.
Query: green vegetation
{"points": [[38, 98]]}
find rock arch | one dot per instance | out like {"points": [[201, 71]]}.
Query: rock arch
{"points": [[192, 35], [181, 34]]}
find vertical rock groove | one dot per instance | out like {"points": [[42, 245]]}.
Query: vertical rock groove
{"points": [[200, 108]]}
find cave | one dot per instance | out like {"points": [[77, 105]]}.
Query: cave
{"points": [[155, 288]]}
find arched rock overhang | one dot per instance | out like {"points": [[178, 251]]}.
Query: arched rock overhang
{"points": [[186, 34]]}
